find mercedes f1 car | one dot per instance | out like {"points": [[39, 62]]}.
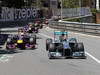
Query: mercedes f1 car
{"points": [[21, 41], [62, 46]]}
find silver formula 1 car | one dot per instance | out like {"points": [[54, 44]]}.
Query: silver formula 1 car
{"points": [[62, 46]]}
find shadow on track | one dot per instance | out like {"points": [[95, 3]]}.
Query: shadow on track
{"points": [[38, 37], [3, 38], [10, 52]]}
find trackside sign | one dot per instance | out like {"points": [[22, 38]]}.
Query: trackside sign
{"points": [[12, 14]]}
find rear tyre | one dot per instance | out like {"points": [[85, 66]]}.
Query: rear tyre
{"points": [[7, 48], [48, 41], [51, 47], [34, 39]]}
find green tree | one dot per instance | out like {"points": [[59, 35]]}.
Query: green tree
{"points": [[41, 3], [71, 3]]}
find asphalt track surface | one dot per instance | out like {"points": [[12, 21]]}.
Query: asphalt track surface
{"points": [[36, 62]]}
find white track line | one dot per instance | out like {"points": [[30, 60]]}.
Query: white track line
{"points": [[94, 58], [5, 58]]}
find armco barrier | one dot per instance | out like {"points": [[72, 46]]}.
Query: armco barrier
{"points": [[89, 28], [5, 24], [19, 23]]}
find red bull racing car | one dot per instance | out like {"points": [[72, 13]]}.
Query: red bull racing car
{"points": [[21, 41]]}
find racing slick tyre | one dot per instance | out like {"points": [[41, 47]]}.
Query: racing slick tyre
{"points": [[48, 41], [34, 39], [37, 31], [51, 47], [41, 26], [81, 49], [50, 56], [7, 48]]}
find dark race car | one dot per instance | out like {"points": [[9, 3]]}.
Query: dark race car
{"points": [[22, 41], [39, 24], [46, 22], [62, 46], [31, 28]]}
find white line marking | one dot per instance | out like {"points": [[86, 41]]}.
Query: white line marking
{"points": [[5, 58], [94, 58]]}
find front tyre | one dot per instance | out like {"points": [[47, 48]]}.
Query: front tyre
{"points": [[81, 50]]}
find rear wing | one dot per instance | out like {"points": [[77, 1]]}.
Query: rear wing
{"points": [[60, 33]]}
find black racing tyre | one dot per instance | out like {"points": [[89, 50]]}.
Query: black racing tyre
{"points": [[34, 39], [51, 47], [7, 48], [37, 31], [47, 45], [80, 47], [50, 56], [41, 26], [48, 41]]}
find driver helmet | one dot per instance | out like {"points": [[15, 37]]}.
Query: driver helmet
{"points": [[21, 31], [30, 24]]}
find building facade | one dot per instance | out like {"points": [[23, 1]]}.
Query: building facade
{"points": [[89, 3]]}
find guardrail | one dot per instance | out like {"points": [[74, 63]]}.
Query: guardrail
{"points": [[15, 29], [89, 28]]}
